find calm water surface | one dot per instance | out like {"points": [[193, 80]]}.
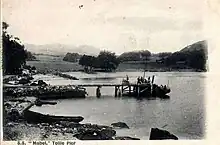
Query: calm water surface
{"points": [[182, 114]]}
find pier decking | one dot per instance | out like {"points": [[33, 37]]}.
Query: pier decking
{"points": [[121, 88], [118, 88]]}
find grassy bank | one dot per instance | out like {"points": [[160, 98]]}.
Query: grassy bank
{"points": [[47, 64], [62, 66]]}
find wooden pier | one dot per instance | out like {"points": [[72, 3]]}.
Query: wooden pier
{"points": [[120, 88]]}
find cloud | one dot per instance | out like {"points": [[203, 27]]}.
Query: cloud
{"points": [[115, 25], [155, 24]]}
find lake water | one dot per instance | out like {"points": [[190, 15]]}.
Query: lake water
{"points": [[183, 114]]}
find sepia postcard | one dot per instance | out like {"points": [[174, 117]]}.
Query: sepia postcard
{"points": [[116, 71]]}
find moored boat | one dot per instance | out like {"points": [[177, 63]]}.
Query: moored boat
{"points": [[35, 117], [146, 88]]}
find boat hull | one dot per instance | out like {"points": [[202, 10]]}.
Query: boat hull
{"points": [[145, 92], [35, 117]]}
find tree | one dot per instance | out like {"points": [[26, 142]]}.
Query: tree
{"points": [[71, 57], [107, 60], [197, 60], [30, 56], [134, 56], [14, 55], [194, 57], [87, 61], [164, 54]]}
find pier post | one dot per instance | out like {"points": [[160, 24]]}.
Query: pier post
{"points": [[116, 91], [129, 89], [122, 89]]}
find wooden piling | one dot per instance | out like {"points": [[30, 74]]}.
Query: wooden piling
{"points": [[138, 91], [122, 89], [116, 91], [129, 89]]}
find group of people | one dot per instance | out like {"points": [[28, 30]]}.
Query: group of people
{"points": [[164, 87], [141, 80]]}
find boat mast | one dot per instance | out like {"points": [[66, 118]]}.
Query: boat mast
{"points": [[152, 80]]}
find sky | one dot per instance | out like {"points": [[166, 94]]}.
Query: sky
{"points": [[114, 25]]}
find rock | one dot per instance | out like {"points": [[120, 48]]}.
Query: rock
{"points": [[55, 133], [108, 132], [8, 105], [64, 123], [68, 130], [74, 124], [58, 125], [94, 132], [125, 138], [42, 83], [92, 135], [33, 84], [69, 124], [45, 135], [159, 134], [10, 124], [39, 104], [24, 81], [120, 125], [56, 130], [14, 115]]}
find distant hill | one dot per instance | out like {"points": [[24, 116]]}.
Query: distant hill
{"points": [[61, 49], [200, 45], [192, 56]]}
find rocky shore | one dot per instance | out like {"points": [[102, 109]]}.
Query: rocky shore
{"points": [[16, 126]]}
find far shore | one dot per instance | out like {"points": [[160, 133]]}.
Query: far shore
{"points": [[62, 66]]}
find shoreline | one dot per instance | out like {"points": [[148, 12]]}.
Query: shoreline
{"points": [[62, 66], [20, 129], [123, 70], [16, 125]]}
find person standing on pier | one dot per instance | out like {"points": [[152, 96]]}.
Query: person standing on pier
{"points": [[127, 78], [138, 80], [98, 92]]}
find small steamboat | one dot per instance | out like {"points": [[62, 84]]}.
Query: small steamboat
{"points": [[145, 88]]}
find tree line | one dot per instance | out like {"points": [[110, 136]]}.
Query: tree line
{"points": [[14, 55], [106, 61], [71, 57], [194, 57]]}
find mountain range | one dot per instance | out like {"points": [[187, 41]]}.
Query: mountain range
{"points": [[61, 49]]}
